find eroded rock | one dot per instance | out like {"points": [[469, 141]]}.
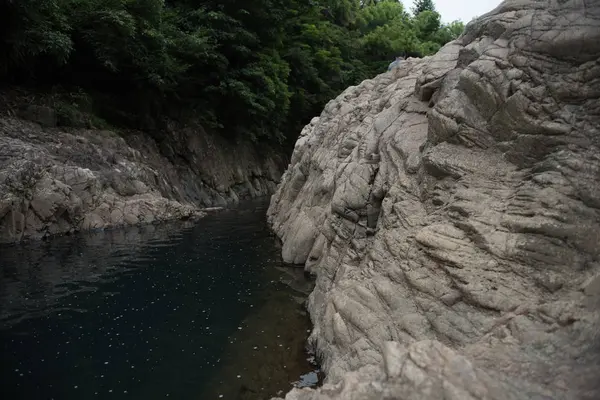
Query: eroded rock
{"points": [[56, 181], [453, 207]]}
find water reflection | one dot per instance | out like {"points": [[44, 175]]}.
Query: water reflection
{"points": [[36, 275], [178, 310]]}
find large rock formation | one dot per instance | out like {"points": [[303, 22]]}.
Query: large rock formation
{"points": [[450, 210], [56, 180]]}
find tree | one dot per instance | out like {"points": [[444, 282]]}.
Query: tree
{"points": [[380, 14], [423, 5], [455, 28], [259, 69]]}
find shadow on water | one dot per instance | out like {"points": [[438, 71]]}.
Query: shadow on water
{"points": [[181, 310]]}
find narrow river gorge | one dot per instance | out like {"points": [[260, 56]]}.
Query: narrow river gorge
{"points": [[200, 310]]}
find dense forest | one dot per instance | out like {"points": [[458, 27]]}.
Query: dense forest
{"points": [[257, 68]]}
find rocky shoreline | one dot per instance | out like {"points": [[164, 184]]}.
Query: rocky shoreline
{"points": [[450, 210], [58, 180]]}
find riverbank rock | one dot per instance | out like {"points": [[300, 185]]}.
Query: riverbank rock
{"points": [[450, 210], [55, 180]]}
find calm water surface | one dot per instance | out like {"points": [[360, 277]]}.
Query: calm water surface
{"points": [[185, 311]]}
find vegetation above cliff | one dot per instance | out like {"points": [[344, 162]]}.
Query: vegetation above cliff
{"points": [[258, 68]]}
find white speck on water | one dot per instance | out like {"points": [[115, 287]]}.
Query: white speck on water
{"points": [[123, 323]]}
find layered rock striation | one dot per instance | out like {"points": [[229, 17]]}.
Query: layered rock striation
{"points": [[450, 210], [55, 180]]}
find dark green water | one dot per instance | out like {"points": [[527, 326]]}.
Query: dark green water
{"points": [[185, 311]]}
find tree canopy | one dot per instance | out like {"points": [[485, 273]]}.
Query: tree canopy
{"points": [[423, 5], [256, 68]]}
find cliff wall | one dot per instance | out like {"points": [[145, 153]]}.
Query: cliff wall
{"points": [[58, 180], [450, 210]]}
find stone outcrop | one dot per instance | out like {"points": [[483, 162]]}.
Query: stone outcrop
{"points": [[450, 210], [56, 180]]}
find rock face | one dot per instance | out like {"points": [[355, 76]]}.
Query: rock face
{"points": [[57, 181], [450, 210]]}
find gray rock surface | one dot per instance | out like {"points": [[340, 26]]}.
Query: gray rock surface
{"points": [[56, 180], [450, 210]]}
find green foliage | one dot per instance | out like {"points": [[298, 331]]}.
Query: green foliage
{"points": [[423, 5], [71, 114], [453, 30], [427, 23], [380, 14], [34, 29], [256, 68]]}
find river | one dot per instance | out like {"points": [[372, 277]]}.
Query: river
{"points": [[182, 310]]}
